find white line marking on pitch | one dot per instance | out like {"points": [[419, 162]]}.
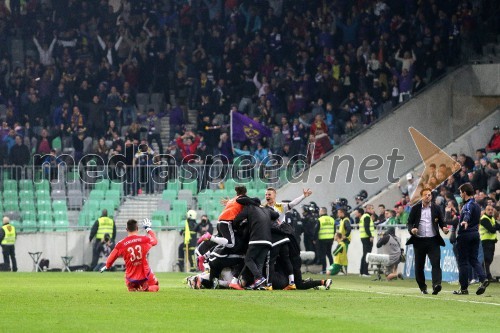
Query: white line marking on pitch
{"points": [[418, 296]]}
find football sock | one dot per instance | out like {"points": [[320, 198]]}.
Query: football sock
{"points": [[291, 279]]}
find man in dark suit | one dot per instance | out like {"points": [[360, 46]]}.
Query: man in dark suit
{"points": [[423, 224]]}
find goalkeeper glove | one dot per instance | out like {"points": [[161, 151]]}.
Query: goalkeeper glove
{"points": [[146, 223], [103, 269]]}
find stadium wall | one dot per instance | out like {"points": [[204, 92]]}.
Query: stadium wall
{"points": [[443, 113]]}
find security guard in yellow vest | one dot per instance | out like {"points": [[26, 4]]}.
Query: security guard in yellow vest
{"points": [[103, 225], [344, 227], [7, 240], [366, 232], [189, 245], [487, 231], [324, 235]]}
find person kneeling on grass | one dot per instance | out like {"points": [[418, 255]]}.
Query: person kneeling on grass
{"points": [[390, 244], [134, 249], [339, 256]]}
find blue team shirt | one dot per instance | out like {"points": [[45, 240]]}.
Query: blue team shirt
{"points": [[471, 213]]}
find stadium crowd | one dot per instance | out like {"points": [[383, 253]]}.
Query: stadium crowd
{"points": [[308, 69]]}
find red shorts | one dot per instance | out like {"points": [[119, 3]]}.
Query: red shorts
{"points": [[143, 285]]}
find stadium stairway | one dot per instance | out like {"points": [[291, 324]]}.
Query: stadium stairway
{"points": [[136, 207]]}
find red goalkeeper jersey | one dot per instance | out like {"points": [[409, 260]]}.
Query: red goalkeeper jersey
{"points": [[134, 250]]}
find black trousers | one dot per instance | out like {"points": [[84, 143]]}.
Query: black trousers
{"points": [[226, 231], [325, 251], [282, 253], [218, 264], [255, 259], [367, 248], [468, 247], [489, 254], [9, 251], [427, 247], [181, 253], [95, 254], [157, 138], [280, 278]]}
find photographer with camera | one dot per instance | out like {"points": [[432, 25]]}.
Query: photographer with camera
{"points": [[105, 247], [390, 244], [309, 222]]}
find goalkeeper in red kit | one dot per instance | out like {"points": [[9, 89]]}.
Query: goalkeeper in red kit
{"points": [[134, 249]]}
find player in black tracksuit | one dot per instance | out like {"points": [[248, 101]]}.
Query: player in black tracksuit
{"points": [[280, 277], [259, 223]]}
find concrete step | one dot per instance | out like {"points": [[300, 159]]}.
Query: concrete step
{"points": [[137, 207]]}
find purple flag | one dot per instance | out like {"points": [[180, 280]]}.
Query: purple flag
{"points": [[244, 128]]}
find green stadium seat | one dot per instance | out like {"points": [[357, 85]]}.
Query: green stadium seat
{"points": [[169, 195], [28, 215], [176, 219], [92, 205], [60, 215], [45, 225], [10, 195], [83, 219], [43, 194], [16, 224], [61, 225], [26, 184], [115, 196], [11, 204], [9, 185], [103, 185], [156, 225], [7, 175], [96, 195], [44, 215], [57, 143], [173, 185], [42, 184], [26, 194], [59, 205], [180, 206], [116, 186], [43, 205], [30, 226], [160, 216], [192, 185]]}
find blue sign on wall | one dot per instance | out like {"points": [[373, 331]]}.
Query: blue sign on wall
{"points": [[448, 264]]}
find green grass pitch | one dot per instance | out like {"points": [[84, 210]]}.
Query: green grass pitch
{"points": [[93, 302]]}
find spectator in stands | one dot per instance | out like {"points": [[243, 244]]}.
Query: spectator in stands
{"points": [[493, 145], [19, 156], [188, 143], [153, 126], [401, 214]]}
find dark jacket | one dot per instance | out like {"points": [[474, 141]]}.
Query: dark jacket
{"points": [[259, 220], [414, 221]]}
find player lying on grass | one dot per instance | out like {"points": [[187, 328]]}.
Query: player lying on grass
{"points": [[134, 249]]}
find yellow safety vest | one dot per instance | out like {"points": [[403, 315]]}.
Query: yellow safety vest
{"points": [[341, 257], [326, 227], [362, 231], [484, 233], [10, 234], [105, 227], [342, 227]]}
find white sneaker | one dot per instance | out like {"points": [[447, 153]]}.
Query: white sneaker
{"points": [[365, 275]]}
